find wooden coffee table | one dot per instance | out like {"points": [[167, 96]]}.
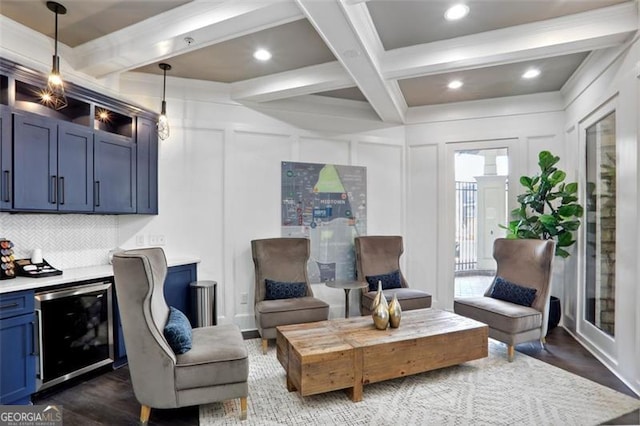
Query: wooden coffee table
{"points": [[349, 353]]}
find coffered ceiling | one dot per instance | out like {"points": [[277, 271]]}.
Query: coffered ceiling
{"points": [[395, 55]]}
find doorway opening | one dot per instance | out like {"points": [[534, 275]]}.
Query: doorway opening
{"points": [[481, 190]]}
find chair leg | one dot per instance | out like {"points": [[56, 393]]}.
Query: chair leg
{"points": [[243, 408], [543, 342], [510, 352], [265, 345], [145, 412]]}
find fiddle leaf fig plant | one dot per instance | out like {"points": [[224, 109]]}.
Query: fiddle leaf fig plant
{"points": [[549, 207]]}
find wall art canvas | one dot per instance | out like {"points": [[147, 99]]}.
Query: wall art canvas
{"points": [[326, 203]]}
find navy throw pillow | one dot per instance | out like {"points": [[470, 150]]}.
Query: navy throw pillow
{"points": [[514, 293], [390, 280], [284, 290], [177, 331]]}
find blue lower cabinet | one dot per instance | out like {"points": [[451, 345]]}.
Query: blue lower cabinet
{"points": [[177, 293], [177, 290], [17, 351]]}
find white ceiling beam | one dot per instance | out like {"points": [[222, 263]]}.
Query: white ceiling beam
{"points": [[162, 36], [596, 29], [348, 31], [303, 81]]}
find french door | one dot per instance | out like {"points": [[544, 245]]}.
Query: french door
{"points": [[477, 203]]}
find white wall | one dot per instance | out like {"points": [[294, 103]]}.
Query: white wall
{"points": [[528, 125], [611, 79], [514, 123], [219, 180]]}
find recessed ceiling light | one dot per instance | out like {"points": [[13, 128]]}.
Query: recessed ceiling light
{"points": [[457, 11], [455, 84], [531, 73], [262, 55]]}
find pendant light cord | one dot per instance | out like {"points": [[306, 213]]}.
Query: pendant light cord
{"points": [[164, 84], [56, 41]]}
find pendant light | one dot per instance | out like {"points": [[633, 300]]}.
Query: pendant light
{"points": [[163, 121], [54, 94]]}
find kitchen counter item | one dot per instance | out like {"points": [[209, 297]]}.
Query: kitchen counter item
{"points": [[7, 265], [72, 275], [28, 268]]}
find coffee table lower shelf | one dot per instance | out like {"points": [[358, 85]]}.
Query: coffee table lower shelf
{"points": [[350, 353]]}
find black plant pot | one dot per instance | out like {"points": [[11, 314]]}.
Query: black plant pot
{"points": [[554, 313]]}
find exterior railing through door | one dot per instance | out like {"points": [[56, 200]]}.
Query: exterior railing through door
{"points": [[466, 226]]}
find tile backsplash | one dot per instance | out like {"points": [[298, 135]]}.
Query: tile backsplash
{"points": [[66, 240]]}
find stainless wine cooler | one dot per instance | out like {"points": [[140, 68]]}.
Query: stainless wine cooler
{"points": [[74, 332]]}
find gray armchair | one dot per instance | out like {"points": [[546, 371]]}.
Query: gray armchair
{"points": [[216, 367], [380, 254], [528, 264], [283, 260]]}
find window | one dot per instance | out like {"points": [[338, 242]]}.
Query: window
{"points": [[600, 221]]}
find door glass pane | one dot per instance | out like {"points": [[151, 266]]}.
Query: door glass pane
{"points": [[600, 219], [481, 206]]}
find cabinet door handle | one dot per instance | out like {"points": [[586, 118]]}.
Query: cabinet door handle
{"points": [[54, 181], [61, 189], [9, 305], [38, 345], [97, 193], [7, 183], [34, 336]]}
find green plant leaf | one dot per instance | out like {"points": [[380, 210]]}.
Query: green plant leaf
{"points": [[571, 188], [548, 219], [525, 181], [570, 225], [565, 239], [549, 206], [546, 160], [557, 177], [568, 210]]}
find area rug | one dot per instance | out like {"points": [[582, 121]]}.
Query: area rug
{"points": [[490, 391]]}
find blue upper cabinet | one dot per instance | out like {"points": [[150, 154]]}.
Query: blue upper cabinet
{"points": [[53, 165], [114, 174], [75, 168], [6, 157], [147, 166], [35, 153], [96, 155]]}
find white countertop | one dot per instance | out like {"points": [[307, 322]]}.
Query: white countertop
{"points": [[72, 275]]}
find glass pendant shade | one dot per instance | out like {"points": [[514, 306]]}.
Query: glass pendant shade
{"points": [[163, 121], [54, 95]]}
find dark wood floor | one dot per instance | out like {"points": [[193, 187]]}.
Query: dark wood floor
{"points": [[106, 398]]}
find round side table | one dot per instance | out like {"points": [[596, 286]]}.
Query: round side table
{"points": [[347, 286]]}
